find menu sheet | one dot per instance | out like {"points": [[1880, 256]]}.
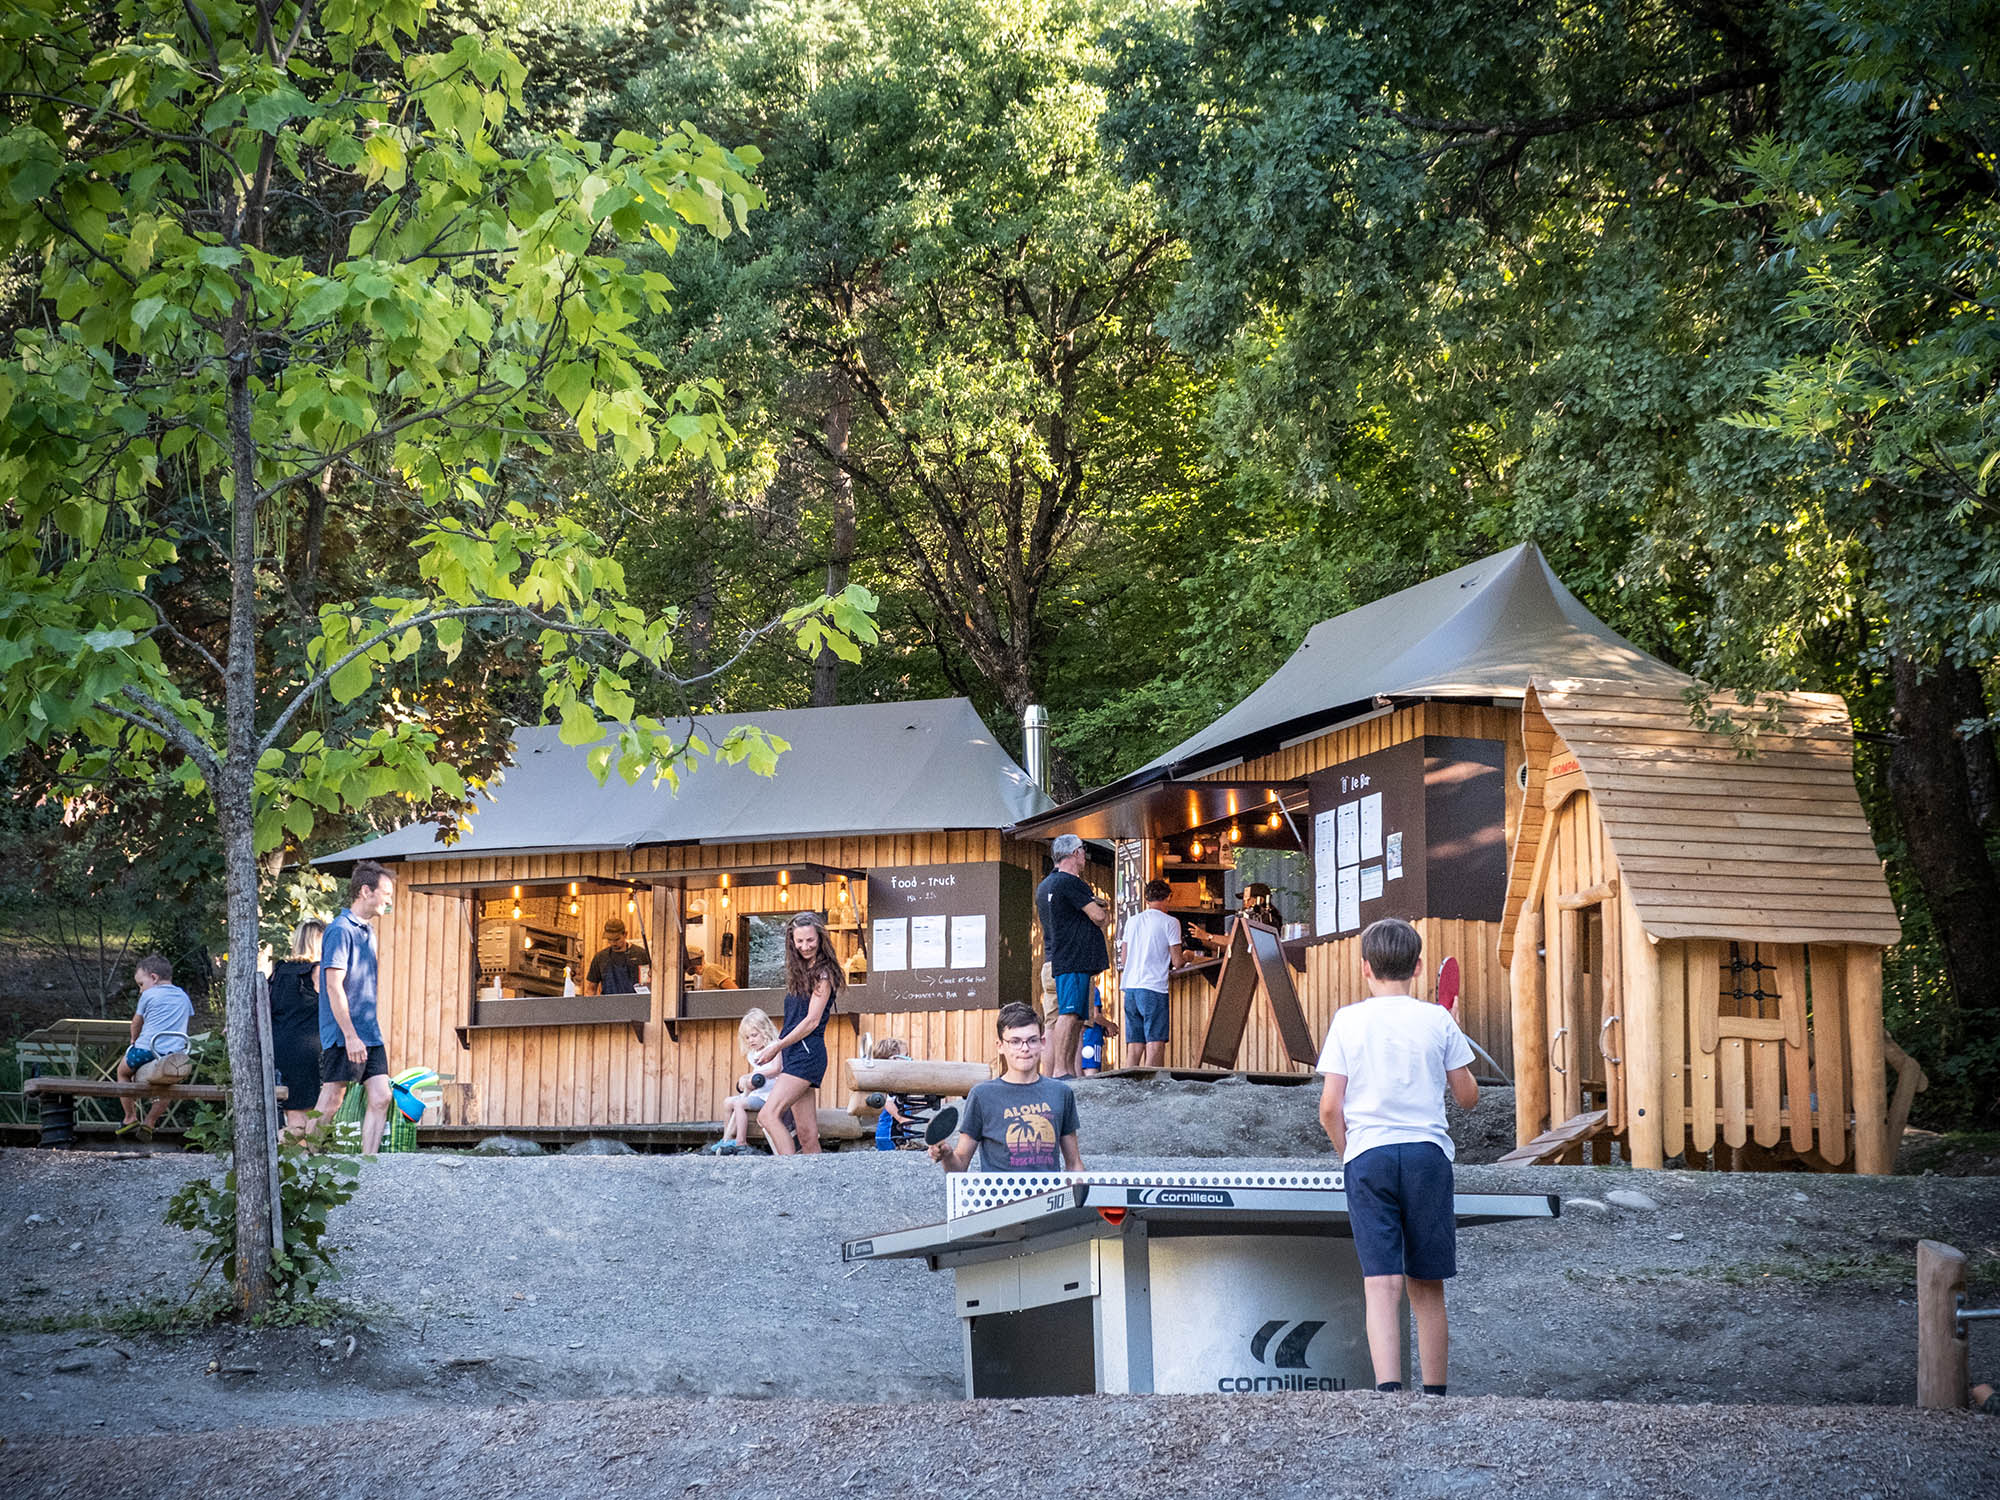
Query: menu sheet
{"points": [[890, 949], [927, 942], [1350, 899], [968, 941], [1326, 907], [1371, 826], [1349, 833]]}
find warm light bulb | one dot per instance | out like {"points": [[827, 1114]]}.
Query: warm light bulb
{"points": [[572, 908], [843, 890], [1194, 849], [784, 896], [1235, 834], [725, 901], [630, 906], [527, 942], [517, 911], [1274, 821]]}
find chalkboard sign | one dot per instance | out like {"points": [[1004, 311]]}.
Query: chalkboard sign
{"points": [[1253, 961], [947, 937], [1416, 830]]}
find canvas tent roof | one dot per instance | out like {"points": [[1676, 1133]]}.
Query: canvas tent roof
{"points": [[876, 768], [1476, 632], [1768, 847]]}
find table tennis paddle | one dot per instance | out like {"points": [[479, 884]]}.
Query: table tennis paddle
{"points": [[943, 1126], [1447, 991]]}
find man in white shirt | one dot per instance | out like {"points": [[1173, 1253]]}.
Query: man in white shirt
{"points": [[1150, 950], [1387, 1062]]}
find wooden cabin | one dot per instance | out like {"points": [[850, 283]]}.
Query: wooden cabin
{"points": [[1377, 773], [891, 819], [1695, 923]]}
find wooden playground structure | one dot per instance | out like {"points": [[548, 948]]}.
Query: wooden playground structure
{"points": [[1694, 928]]}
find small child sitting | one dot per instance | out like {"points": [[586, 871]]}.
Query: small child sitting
{"points": [[901, 1124], [1094, 1054], [159, 1049], [754, 1035]]}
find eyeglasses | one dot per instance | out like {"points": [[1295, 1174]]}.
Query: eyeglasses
{"points": [[1027, 1042]]}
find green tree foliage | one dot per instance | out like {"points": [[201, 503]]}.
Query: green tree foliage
{"points": [[271, 244]]}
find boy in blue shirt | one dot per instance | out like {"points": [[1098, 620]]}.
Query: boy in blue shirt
{"points": [[1387, 1063]]}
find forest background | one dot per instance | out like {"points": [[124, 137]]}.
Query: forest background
{"points": [[1114, 344]]}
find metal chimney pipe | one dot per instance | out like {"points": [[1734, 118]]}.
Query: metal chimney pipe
{"points": [[1035, 744]]}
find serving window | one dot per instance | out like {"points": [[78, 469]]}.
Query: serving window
{"points": [[733, 926]]}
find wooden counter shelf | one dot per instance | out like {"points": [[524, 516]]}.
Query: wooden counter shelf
{"points": [[511, 1012]]}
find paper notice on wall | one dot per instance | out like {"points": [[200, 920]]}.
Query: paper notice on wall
{"points": [[1371, 882], [968, 941], [1394, 852], [1326, 914], [927, 942], [1349, 883], [890, 944], [1371, 826], [1348, 834]]}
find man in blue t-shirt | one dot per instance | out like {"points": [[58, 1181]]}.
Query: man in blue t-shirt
{"points": [[350, 1027], [1073, 922], [1020, 1121]]}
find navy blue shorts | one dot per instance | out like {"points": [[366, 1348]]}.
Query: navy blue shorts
{"points": [[806, 1059], [1399, 1202]]}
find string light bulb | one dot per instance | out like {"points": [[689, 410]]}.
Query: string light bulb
{"points": [[1235, 834], [725, 901], [1194, 849], [527, 943], [631, 906], [843, 890], [517, 911], [572, 908], [784, 895]]}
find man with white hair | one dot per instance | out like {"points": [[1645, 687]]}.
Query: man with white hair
{"points": [[1073, 921]]}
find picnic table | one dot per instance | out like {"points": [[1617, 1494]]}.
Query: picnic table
{"points": [[77, 1058]]}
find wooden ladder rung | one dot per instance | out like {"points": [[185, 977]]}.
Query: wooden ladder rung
{"points": [[1552, 1143]]}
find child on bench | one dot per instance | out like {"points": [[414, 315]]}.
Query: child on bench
{"points": [[158, 1053]]}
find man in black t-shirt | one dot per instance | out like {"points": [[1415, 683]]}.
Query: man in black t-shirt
{"points": [[621, 967], [1073, 921]]}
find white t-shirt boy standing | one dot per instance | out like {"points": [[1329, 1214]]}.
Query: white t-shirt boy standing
{"points": [[1387, 1063]]}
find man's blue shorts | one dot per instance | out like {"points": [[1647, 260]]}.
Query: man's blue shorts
{"points": [[1399, 1201], [1145, 1016], [1073, 994], [137, 1058]]}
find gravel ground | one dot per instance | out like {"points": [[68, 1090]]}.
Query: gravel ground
{"points": [[477, 1283], [1271, 1447]]}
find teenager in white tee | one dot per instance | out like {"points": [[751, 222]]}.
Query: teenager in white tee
{"points": [[1387, 1062], [1150, 951]]}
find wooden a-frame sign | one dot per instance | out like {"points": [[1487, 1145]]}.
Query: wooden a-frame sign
{"points": [[1252, 961]]}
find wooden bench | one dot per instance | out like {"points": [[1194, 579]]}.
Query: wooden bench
{"points": [[58, 1114], [1554, 1145]]}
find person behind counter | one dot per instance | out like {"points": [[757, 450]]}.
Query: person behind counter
{"points": [[621, 967], [1258, 907], [1020, 1121]]}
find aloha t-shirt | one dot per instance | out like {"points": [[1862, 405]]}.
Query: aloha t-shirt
{"points": [[1019, 1126], [617, 973], [1394, 1051], [1150, 939], [349, 946], [1071, 942]]}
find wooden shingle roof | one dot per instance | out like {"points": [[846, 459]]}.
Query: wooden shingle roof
{"points": [[1755, 836]]}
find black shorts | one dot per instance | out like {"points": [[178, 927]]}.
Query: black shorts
{"points": [[806, 1059], [335, 1066]]}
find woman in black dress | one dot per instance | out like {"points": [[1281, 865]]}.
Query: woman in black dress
{"points": [[812, 979], [294, 987]]}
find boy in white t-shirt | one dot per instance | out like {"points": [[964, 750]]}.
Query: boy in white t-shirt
{"points": [[1387, 1063], [1151, 949]]}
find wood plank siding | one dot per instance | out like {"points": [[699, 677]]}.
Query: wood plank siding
{"points": [[523, 1076]]}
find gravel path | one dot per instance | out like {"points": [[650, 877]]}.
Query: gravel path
{"points": [[1272, 1447], [599, 1325]]}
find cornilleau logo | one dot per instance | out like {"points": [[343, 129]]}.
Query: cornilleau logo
{"points": [[1288, 1353], [1169, 1197]]}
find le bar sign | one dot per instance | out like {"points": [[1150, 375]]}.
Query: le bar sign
{"points": [[948, 937]]}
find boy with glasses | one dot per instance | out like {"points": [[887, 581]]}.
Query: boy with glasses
{"points": [[1021, 1121]]}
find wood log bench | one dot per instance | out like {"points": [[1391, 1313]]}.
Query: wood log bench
{"points": [[54, 1094]]}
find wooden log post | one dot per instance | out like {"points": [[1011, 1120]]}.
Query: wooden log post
{"points": [[1644, 1087], [1531, 1034], [1873, 1153], [1942, 1379], [908, 1075]]}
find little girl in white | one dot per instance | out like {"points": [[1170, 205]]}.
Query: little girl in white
{"points": [[754, 1034]]}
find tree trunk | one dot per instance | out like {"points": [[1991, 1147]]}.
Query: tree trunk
{"points": [[840, 554], [1932, 792], [235, 803], [1982, 770]]}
